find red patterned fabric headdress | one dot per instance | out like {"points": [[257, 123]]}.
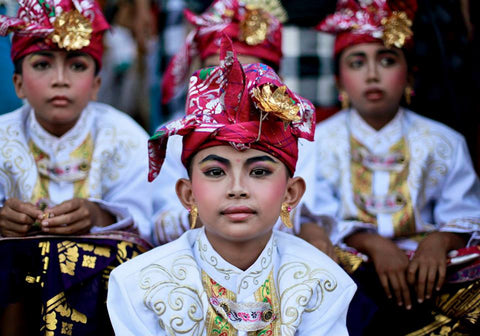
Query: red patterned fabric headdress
{"points": [[366, 21], [56, 25], [242, 106], [253, 30]]}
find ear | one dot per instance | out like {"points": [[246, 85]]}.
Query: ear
{"points": [[97, 81], [295, 189], [185, 193], [18, 84]]}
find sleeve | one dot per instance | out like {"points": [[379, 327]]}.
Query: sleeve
{"points": [[332, 319], [126, 318], [170, 219], [129, 193], [457, 208], [321, 169]]}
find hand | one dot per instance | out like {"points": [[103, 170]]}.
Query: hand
{"points": [[318, 237], [75, 216], [17, 217], [390, 263], [429, 264]]}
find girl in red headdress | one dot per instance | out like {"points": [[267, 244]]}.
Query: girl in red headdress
{"points": [[70, 167], [400, 188], [234, 275]]}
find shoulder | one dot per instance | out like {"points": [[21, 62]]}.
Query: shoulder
{"points": [[295, 250], [333, 129], [15, 117], [421, 126], [164, 255], [107, 117], [338, 120]]}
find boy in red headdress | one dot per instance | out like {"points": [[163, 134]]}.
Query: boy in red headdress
{"points": [[70, 167], [399, 188], [234, 275]]}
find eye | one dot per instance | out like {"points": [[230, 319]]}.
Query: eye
{"points": [[214, 172], [356, 63], [41, 65], [388, 61], [78, 66], [260, 172]]}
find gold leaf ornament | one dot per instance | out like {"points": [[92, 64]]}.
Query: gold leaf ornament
{"points": [[72, 30], [254, 27], [396, 29], [276, 101]]}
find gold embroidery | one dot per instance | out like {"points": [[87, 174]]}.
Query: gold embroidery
{"points": [[89, 261], [68, 257], [40, 190], [58, 310], [268, 293], [85, 152], [67, 328], [349, 261]]}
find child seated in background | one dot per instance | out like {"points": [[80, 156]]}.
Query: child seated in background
{"points": [[70, 167], [400, 187], [234, 275]]}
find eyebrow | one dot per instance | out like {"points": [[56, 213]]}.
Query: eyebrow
{"points": [[262, 158], [380, 52], [213, 157]]}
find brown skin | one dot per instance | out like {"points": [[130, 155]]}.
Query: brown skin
{"points": [[425, 271], [318, 237]]}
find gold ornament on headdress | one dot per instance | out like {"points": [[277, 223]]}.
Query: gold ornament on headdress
{"points": [[396, 29], [72, 30], [274, 7], [277, 102], [254, 27]]}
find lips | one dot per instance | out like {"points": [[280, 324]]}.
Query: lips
{"points": [[59, 101], [374, 94], [238, 214]]}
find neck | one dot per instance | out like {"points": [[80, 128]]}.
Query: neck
{"points": [[240, 254], [378, 121]]}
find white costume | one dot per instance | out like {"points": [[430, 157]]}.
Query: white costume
{"points": [[412, 176], [186, 287], [102, 158]]}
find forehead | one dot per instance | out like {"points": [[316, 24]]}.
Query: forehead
{"points": [[230, 153]]}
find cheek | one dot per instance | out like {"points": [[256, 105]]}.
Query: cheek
{"points": [[205, 192], [349, 81], [274, 193]]}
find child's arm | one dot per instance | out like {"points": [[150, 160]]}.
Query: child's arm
{"points": [[390, 263], [430, 261], [76, 216], [17, 217]]}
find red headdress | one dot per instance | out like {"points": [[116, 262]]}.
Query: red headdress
{"points": [[245, 107], [365, 21], [253, 30], [55, 25]]}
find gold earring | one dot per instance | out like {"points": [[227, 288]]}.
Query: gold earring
{"points": [[285, 215], [344, 100], [193, 216], [408, 94]]}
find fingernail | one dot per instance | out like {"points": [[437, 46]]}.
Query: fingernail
{"points": [[427, 297], [44, 223], [438, 289], [409, 307], [45, 229], [420, 300], [400, 303]]}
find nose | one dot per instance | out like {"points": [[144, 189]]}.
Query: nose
{"points": [[372, 72], [237, 188], [60, 77]]}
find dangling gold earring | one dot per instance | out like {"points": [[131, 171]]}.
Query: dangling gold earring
{"points": [[193, 216], [344, 100], [285, 215], [408, 94]]}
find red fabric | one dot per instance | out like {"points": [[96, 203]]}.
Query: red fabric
{"points": [[35, 23], [220, 110]]}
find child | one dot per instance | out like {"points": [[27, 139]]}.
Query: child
{"points": [[394, 181], [70, 167], [234, 275]]}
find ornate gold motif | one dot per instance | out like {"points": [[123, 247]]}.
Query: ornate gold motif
{"points": [[72, 30], [349, 261], [396, 29], [276, 101], [274, 7], [254, 27], [59, 314], [285, 216]]}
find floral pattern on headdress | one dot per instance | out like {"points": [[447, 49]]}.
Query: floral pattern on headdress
{"points": [[253, 30], [381, 20], [244, 106]]}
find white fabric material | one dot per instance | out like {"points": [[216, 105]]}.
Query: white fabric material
{"points": [[161, 293], [170, 217], [444, 188], [117, 179]]}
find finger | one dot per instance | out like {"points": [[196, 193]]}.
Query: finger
{"points": [[65, 207], [397, 290], [386, 287], [66, 219], [412, 272], [20, 218], [25, 208], [405, 290], [442, 272], [431, 277], [11, 233], [422, 278], [80, 227]]}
